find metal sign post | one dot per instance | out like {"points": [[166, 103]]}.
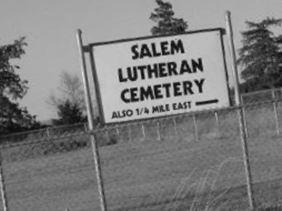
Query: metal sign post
{"points": [[238, 102], [90, 118], [2, 185]]}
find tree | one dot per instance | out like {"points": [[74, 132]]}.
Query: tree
{"points": [[69, 113], [279, 43], [69, 102], [166, 22], [259, 56], [13, 118], [71, 89]]}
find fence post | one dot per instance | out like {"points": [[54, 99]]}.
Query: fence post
{"points": [[2, 184], [216, 122], [242, 126], [275, 112], [196, 135], [108, 136], [244, 117], [85, 127], [48, 132], [143, 131], [158, 131], [90, 118], [129, 133], [117, 133], [175, 126]]}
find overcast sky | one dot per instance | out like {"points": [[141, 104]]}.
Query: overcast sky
{"points": [[50, 28]]}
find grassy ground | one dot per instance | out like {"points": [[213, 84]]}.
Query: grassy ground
{"points": [[148, 176], [182, 171]]}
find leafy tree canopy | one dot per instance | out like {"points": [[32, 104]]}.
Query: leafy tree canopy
{"points": [[71, 89], [69, 113], [69, 101], [163, 15], [13, 118], [259, 56]]}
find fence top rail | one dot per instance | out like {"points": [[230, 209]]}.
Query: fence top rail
{"points": [[42, 130], [66, 126], [261, 91], [231, 108], [101, 128], [6, 144]]}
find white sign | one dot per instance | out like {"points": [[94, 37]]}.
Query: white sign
{"points": [[160, 76]]}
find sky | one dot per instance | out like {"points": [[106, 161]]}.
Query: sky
{"points": [[50, 28]]}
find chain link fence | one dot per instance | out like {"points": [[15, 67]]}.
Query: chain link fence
{"points": [[184, 162]]}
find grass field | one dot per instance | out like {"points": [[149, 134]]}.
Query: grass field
{"points": [[179, 172]]}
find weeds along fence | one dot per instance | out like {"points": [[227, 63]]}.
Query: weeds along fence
{"points": [[192, 161]]}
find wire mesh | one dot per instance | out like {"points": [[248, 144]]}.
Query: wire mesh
{"points": [[184, 162], [50, 174], [179, 171]]}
